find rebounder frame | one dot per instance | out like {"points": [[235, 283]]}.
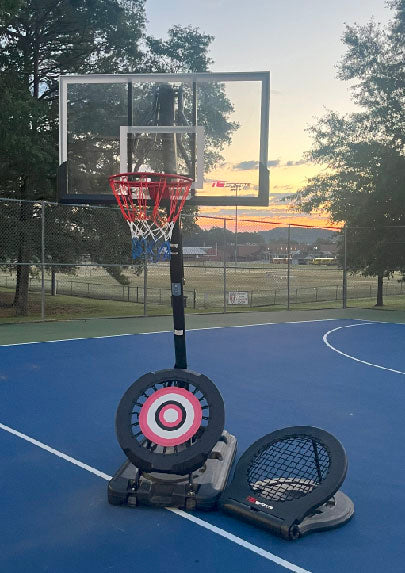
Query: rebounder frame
{"points": [[323, 508]]}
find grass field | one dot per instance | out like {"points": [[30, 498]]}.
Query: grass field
{"points": [[92, 292]]}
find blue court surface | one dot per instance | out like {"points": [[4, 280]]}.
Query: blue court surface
{"points": [[58, 446]]}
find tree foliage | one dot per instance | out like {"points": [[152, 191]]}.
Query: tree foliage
{"points": [[185, 50], [374, 61], [364, 152]]}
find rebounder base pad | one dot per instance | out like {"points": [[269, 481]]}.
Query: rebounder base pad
{"points": [[337, 511], [199, 490]]}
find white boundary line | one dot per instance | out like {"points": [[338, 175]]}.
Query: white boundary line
{"points": [[166, 331], [239, 541], [54, 452], [206, 525], [329, 345]]}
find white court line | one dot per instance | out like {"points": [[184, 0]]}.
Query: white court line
{"points": [[239, 541], [165, 332], [179, 512], [326, 341]]}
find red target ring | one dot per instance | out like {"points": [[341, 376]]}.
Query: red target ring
{"points": [[170, 416]]}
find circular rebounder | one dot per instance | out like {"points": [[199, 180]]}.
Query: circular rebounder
{"points": [[169, 421]]}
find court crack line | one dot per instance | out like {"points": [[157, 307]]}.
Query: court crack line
{"points": [[326, 341], [205, 524]]}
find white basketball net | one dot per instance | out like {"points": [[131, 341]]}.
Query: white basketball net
{"points": [[150, 230]]}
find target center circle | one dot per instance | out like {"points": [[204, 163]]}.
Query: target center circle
{"points": [[171, 415]]}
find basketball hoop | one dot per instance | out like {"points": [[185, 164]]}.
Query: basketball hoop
{"points": [[151, 204]]}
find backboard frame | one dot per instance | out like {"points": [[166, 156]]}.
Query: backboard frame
{"points": [[262, 198]]}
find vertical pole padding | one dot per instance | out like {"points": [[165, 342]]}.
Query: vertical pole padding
{"points": [[166, 117]]}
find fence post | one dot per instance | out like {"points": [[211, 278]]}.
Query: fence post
{"points": [[194, 298], [344, 277], [288, 266], [224, 265], [42, 260]]}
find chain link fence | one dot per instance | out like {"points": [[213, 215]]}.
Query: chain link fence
{"points": [[67, 261]]}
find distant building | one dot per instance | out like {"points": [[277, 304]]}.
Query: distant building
{"points": [[327, 250], [194, 253]]}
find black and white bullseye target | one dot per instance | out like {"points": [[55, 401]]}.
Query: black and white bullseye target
{"points": [[169, 421]]}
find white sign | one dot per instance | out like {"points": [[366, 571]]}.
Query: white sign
{"points": [[235, 297]]}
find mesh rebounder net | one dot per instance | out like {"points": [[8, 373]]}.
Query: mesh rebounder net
{"points": [[288, 469]]}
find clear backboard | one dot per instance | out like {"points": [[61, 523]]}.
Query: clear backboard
{"points": [[216, 125]]}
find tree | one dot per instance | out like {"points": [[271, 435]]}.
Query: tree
{"points": [[41, 39], [185, 50], [364, 153], [374, 60]]}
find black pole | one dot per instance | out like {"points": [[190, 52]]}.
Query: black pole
{"points": [[166, 103], [176, 279]]}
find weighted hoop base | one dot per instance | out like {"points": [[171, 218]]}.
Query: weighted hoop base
{"points": [[130, 486]]}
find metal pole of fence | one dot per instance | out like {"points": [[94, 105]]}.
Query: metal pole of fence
{"points": [[288, 266], [224, 265], [42, 260], [344, 277], [145, 285], [236, 228]]}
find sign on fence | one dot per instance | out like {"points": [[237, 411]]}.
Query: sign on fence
{"points": [[235, 297]]}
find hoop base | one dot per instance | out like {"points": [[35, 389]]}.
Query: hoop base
{"points": [[131, 487]]}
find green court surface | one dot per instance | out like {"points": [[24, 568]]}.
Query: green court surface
{"points": [[18, 333]]}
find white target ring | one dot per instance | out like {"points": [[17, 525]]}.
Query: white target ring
{"points": [[170, 416]]}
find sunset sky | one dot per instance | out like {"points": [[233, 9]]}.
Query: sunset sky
{"points": [[300, 43]]}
